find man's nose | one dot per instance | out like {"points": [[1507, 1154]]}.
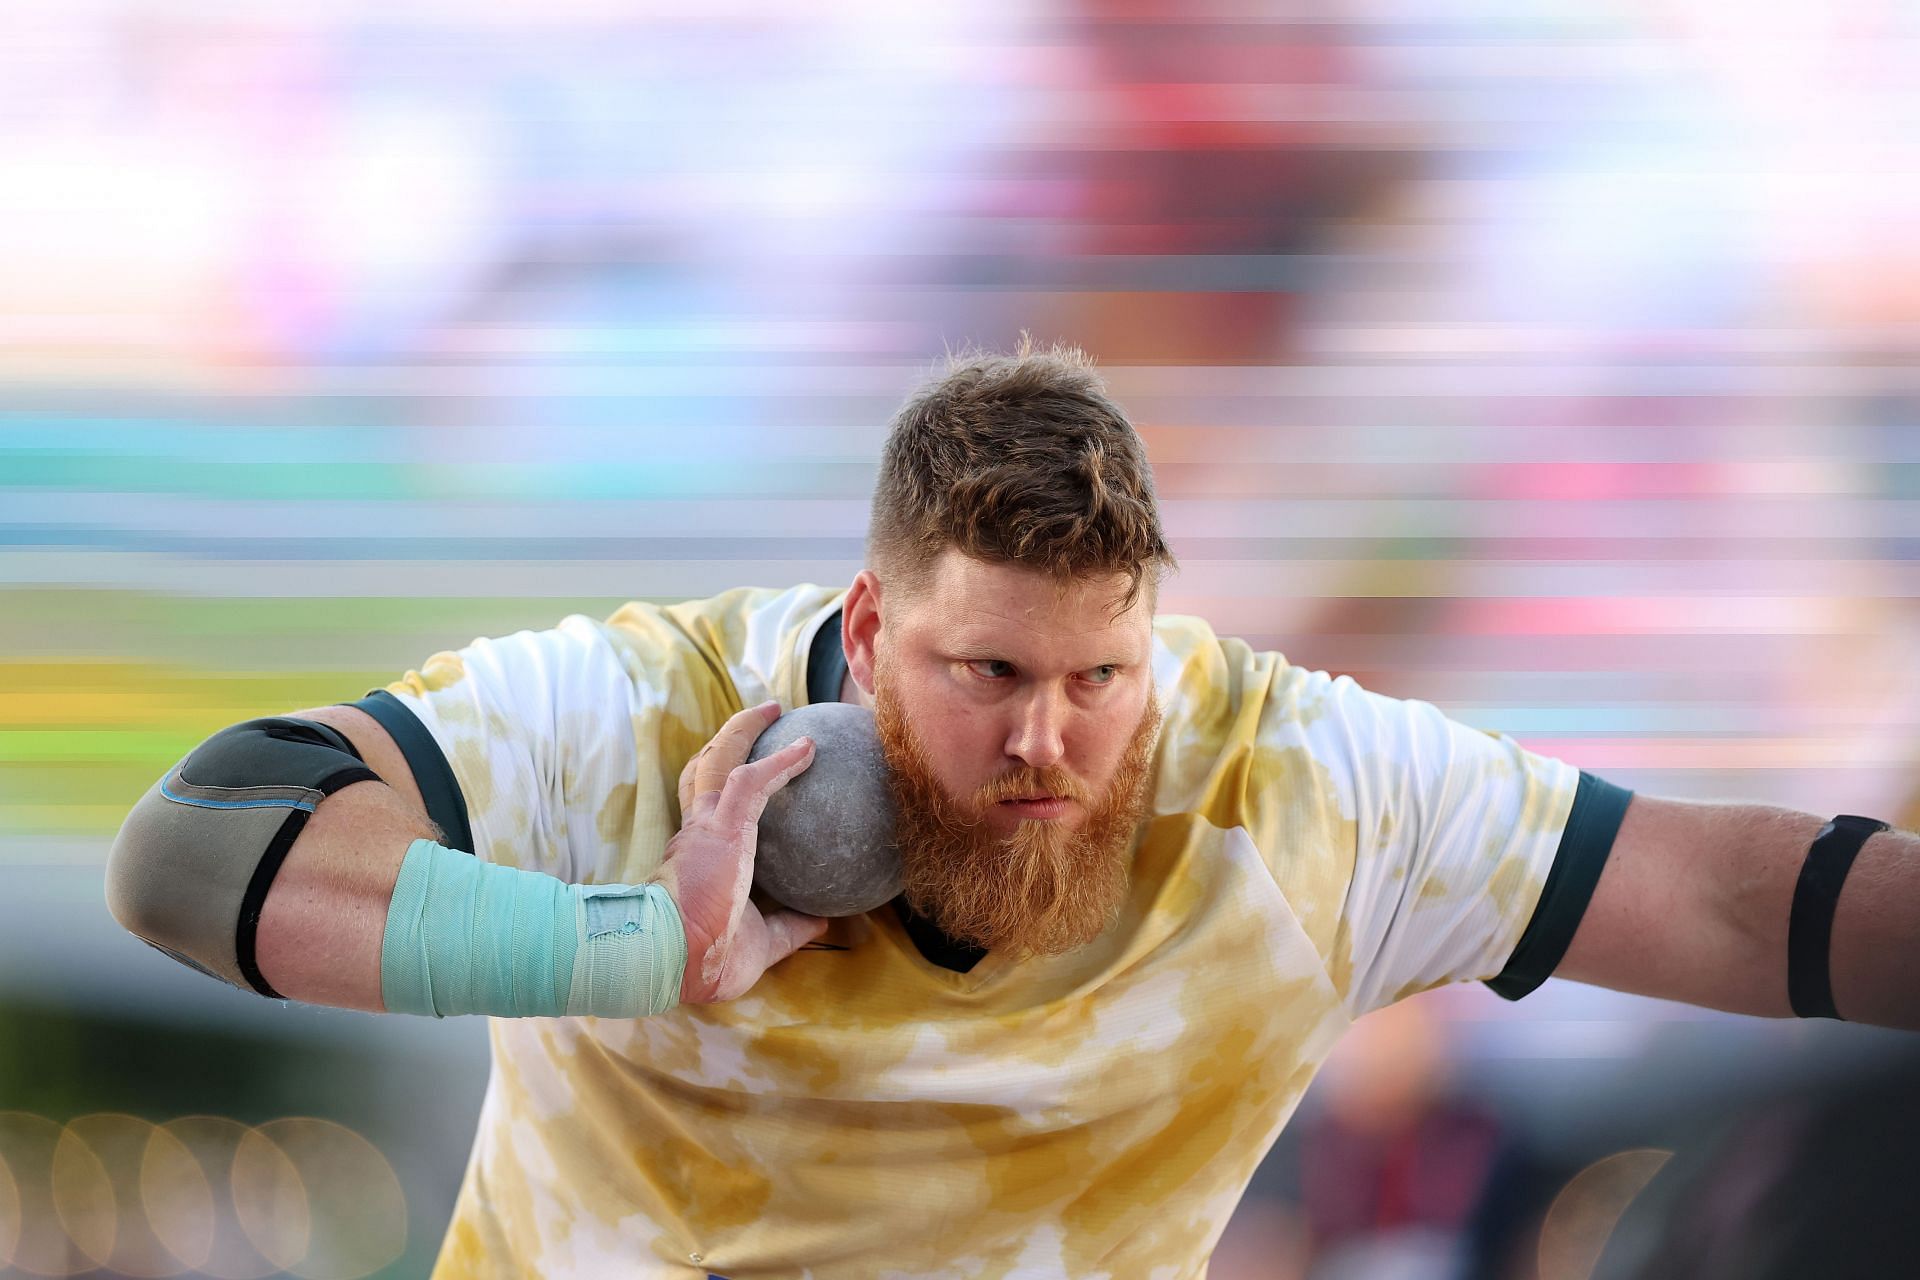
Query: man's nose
{"points": [[1038, 735]]}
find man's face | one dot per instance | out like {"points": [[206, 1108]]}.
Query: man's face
{"points": [[1019, 722]]}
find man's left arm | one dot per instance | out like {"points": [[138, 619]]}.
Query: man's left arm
{"points": [[1695, 900]]}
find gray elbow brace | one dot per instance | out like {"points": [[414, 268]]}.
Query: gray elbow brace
{"points": [[190, 869]]}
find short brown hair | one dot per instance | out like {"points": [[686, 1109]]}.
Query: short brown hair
{"points": [[1017, 459]]}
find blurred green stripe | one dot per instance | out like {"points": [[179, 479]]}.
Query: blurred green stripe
{"points": [[132, 473], [54, 606], [75, 797], [189, 665], [29, 747], [440, 479]]}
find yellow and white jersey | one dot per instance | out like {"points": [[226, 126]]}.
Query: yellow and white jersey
{"points": [[1313, 851]]}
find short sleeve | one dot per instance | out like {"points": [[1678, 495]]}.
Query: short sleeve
{"points": [[536, 729], [1454, 833]]}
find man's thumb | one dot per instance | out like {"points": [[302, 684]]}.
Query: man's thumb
{"points": [[788, 931]]}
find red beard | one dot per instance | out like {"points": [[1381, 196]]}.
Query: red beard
{"points": [[1043, 889]]}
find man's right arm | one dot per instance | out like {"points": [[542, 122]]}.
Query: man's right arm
{"points": [[321, 932]]}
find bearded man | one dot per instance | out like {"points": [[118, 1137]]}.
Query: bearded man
{"points": [[1151, 876]]}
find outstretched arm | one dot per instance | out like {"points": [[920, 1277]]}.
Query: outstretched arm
{"points": [[1694, 905]]}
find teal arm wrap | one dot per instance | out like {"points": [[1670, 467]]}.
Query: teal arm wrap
{"points": [[468, 936]]}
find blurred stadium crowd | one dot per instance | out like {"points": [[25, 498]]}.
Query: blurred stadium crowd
{"points": [[1553, 364]]}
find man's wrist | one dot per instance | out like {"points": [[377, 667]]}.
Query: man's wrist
{"points": [[468, 936], [632, 955]]}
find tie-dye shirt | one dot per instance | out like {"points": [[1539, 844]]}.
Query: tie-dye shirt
{"points": [[1312, 851]]}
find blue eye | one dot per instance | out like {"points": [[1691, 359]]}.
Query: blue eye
{"points": [[977, 663], [1109, 670]]}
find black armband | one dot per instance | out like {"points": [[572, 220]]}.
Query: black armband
{"points": [[1810, 927]]}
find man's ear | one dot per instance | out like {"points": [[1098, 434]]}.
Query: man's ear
{"points": [[860, 628]]}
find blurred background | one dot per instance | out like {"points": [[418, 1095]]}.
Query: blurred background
{"points": [[1553, 363]]}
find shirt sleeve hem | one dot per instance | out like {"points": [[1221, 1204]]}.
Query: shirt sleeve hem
{"points": [[1585, 843], [445, 802]]}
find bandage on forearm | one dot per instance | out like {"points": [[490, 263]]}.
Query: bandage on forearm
{"points": [[468, 936]]}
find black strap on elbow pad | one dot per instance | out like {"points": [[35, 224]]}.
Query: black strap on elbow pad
{"points": [[1810, 927], [264, 775]]}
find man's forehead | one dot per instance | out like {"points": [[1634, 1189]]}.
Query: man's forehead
{"points": [[989, 620], [1014, 629], [962, 584]]}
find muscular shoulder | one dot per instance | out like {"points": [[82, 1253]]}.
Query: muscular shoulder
{"points": [[755, 637], [1235, 720]]}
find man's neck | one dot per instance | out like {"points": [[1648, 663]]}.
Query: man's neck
{"points": [[852, 692]]}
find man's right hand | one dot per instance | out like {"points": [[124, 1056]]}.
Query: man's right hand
{"points": [[709, 863]]}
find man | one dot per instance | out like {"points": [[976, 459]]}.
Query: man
{"points": [[1152, 875]]}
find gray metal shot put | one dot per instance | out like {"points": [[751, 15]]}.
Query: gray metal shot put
{"points": [[826, 843]]}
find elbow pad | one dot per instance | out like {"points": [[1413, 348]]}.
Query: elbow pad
{"points": [[190, 869]]}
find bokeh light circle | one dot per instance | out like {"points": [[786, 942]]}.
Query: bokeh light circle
{"points": [[211, 1144], [9, 1213], [176, 1199], [201, 1194], [43, 1247], [270, 1200], [355, 1207], [82, 1195], [1582, 1217], [117, 1143]]}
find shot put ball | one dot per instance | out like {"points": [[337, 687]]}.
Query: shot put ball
{"points": [[826, 843]]}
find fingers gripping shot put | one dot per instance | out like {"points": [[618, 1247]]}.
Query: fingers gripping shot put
{"points": [[1102, 889], [708, 869]]}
